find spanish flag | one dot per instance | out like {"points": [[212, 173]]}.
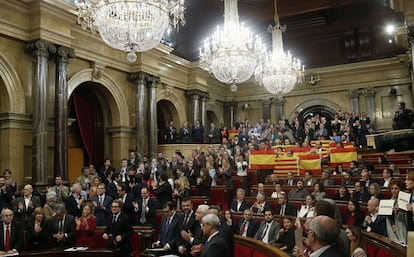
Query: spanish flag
{"points": [[233, 133], [310, 162], [261, 159], [343, 155]]}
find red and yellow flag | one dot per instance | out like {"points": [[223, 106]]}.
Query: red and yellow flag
{"points": [[261, 159], [310, 162]]}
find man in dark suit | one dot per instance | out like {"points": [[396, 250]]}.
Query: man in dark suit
{"points": [[215, 245], [127, 201], [146, 208], [102, 203], [162, 190], [247, 226], [240, 204], [289, 179], [171, 224], [373, 222], [323, 232], [119, 230], [214, 136], [26, 204], [74, 202], [62, 228], [285, 208], [195, 237], [268, 229], [6, 194], [10, 233]]}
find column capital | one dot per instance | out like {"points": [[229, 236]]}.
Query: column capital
{"points": [[196, 93], [140, 77], [369, 91], [280, 100], [353, 93], [40, 48], [267, 101], [230, 104], [153, 81], [64, 54]]}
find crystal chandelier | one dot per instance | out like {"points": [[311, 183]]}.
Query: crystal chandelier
{"points": [[130, 25], [232, 53], [278, 71]]}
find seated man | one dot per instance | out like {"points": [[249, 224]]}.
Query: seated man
{"points": [[240, 204], [62, 228], [12, 230], [373, 222], [247, 226]]}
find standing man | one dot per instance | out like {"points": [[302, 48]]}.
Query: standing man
{"points": [[123, 170], [6, 194], [127, 200], [162, 190], [62, 228], [146, 207], [170, 226], [102, 203], [213, 136], [403, 117], [119, 230], [74, 202], [198, 132], [10, 233], [62, 191], [170, 133], [26, 204], [215, 245]]}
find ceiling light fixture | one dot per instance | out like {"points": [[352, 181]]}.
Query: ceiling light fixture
{"points": [[130, 25], [231, 53], [278, 71]]}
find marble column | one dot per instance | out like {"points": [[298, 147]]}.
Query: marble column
{"points": [[40, 50], [230, 113], [140, 80], [153, 81], [203, 108], [61, 112], [369, 94], [353, 96], [195, 96], [266, 109], [279, 102]]}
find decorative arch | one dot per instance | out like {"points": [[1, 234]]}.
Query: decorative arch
{"points": [[314, 102], [13, 86], [120, 116], [169, 95], [212, 106]]}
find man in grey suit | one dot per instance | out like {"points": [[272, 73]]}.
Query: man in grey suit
{"points": [[268, 229], [215, 244]]}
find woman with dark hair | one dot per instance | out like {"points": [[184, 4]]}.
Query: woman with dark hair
{"points": [[319, 191], [37, 233], [285, 238], [355, 238], [306, 211], [204, 183], [354, 215], [228, 217], [397, 222]]}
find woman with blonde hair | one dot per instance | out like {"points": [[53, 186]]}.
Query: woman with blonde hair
{"points": [[85, 226], [354, 236], [182, 190]]}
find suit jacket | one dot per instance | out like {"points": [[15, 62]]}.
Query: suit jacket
{"points": [[332, 251], [37, 241], [128, 207], [170, 229], [266, 207], [72, 206], [16, 236], [163, 194], [244, 205], [102, 214], [290, 210], [68, 227], [378, 226], [111, 189], [273, 230], [123, 227], [217, 246], [251, 229], [152, 205], [61, 193], [25, 214]]}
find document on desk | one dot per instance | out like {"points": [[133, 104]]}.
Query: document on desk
{"points": [[11, 254], [75, 249]]}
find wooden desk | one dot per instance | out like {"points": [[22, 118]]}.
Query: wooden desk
{"points": [[61, 253]]}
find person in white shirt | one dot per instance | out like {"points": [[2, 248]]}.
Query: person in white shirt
{"points": [[306, 211]]}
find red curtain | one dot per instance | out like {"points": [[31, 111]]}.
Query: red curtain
{"points": [[85, 115]]}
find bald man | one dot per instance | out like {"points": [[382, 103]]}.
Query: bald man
{"points": [[323, 235], [373, 222], [26, 204]]}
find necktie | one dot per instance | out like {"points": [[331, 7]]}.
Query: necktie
{"points": [[60, 225], [185, 220], [282, 210], [242, 228], [7, 243], [265, 231], [100, 200], [114, 219], [143, 219]]}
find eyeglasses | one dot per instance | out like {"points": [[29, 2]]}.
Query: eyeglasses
{"points": [[114, 206]]}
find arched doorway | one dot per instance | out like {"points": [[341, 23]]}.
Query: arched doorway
{"points": [[212, 117], [321, 110], [166, 112], [87, 131]]}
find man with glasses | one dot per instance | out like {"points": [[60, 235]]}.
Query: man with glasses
{"points": [[10, 233], [26, 204], [171, 224], [102, 203], [146, 208], [119, 230]]}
